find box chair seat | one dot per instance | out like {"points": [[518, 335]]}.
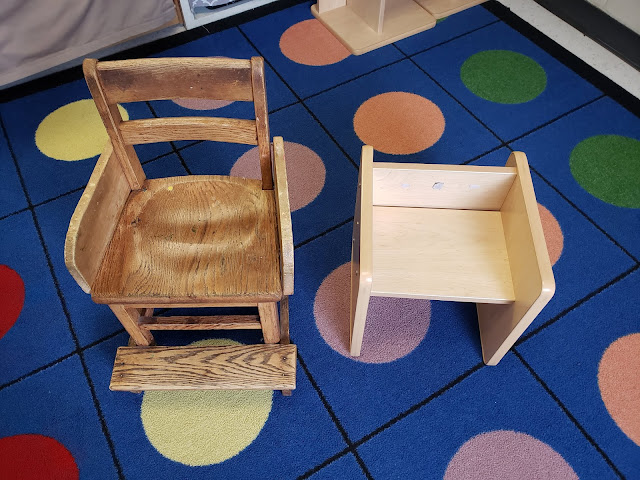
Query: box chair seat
{"points": [[451, 232], [138, 244]]}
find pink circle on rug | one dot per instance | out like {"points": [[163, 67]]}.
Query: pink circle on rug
{"points": [[310, 43], [306, 172], [394, 327], [11, 298], [399, 123], [552, 234], [619, 383], [201, 103], [505, 455]]}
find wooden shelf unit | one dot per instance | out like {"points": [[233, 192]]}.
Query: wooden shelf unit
{"points": [[364, 25]]}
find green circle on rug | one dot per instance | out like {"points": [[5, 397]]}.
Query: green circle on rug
{"points": [[608, 167], [503, 76]]}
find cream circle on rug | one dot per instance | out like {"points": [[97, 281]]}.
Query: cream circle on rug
{"points": [[505, 455], [619, 383], [204, 427], [399, 123], [310, 43], [394, 326], [552, 234], [73, 132], [201, 103], [306, 172]]}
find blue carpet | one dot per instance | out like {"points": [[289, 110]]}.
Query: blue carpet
{"points": [[563, 403]]}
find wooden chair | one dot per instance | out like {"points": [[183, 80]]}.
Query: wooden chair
{"points": [[451, 232], [192, 241]]}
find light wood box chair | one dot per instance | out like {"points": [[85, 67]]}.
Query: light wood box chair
{"points": [[192, 241], [451, 232]]}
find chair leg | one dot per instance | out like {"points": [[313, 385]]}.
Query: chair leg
{"points": [[129, 319], [284, 330], [360, 293], [270, 323]]}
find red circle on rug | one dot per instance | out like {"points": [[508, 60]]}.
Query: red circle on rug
{"points": [[306, 172], [11, 298], [399, 123], [552, 234], [310, 43], [394, 326], [504, 455], [36, 457], [619, 383]]}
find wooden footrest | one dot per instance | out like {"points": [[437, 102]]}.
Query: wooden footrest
{"points": [[229, 367]]}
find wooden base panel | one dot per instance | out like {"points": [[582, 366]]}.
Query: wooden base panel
{"points": [[402, 19], [229, 367], [444, 8]]}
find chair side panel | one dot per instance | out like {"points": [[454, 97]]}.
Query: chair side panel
{"points": [[95, 218], [531, 273]]}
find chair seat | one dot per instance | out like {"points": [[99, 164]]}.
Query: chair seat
{"points": [[193, 239]]}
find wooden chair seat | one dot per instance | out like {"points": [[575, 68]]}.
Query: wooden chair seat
{"points": [[195, 238]]}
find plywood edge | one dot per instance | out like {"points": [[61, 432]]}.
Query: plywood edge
{"points": [[285, 229], [361, 252], [508, 170], [519, 161]]}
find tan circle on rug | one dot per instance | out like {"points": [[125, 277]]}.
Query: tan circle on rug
{"points": [[619, 383], [552, 234], [399, 123], [306, 172], [310, 43], [204, 427], [201, 103]]}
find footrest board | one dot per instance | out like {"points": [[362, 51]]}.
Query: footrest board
{"points": [[229, 367]]}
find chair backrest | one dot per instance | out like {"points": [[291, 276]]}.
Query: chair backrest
{"points": [[149, 79]]}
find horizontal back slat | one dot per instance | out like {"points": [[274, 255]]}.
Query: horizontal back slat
{"points": [[462, 187], [169, 129], [169, 78]]}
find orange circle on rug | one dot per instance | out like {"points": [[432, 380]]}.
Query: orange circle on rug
{"points": [[394, 326], [619, 384], [552, 234], [306, 172], [399, 123], [310, 43], [201, 103]]}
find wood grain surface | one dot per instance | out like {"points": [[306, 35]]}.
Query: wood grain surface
{"points": [[255, 367], [168, 78], [193, 239]]}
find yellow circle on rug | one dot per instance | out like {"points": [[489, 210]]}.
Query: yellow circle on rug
{"points": [[204, 427], [399, 123], [73, 132]]}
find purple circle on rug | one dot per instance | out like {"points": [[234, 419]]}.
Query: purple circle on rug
{"points": [[505, 454], [394, 328], [201, 103]]}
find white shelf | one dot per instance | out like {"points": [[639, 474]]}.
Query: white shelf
{"points": [[191, 21]]}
